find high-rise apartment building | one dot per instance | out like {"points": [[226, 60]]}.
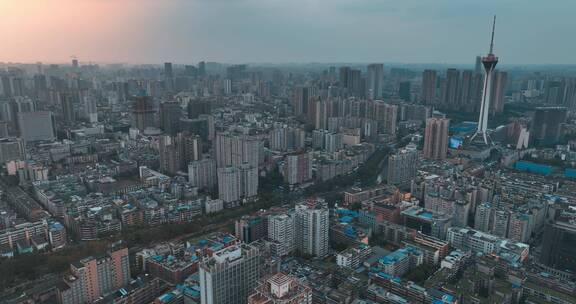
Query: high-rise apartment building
{"points": [[558, 248], [168, 76], [250, 228], [11, 149], [385, 114], [387, 117], [429, 83], [301, 99], [36, 126], [402, 166], [170, 113], [170, 155], [93, 277], [168, 73], [404, 90], [375, 81], [248, 181], [234, 150], [236, 183], [546, 123], [498, 92], [298, 168], [312, 224], [436, 138], [230, 275], [483, 217], [143, 113], [229, 184], [465, 92], [67, 106], [287, 139], [90, 109], [10, 110], [281, 233], [461, 213], [176, 152], [333, 142], [278, 139], [449, 95], [201, 69], [478, 65], [202, 173], [203, 126], [500, 223], [197, 107], [318, 113], [351, 80], [520, 227]]}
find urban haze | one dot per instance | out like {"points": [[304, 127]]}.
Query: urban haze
{"points": [[287, 152]]}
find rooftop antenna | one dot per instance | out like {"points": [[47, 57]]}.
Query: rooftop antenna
{"points": [[492, 40]]}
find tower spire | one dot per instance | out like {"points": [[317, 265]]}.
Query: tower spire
{"points": [[492, 40], [489, 62]]}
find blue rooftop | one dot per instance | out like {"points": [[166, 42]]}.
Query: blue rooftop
{"points": [[464, 127], [533, 167], [167, 297], [346, 219], [427, 215], [347, 212], [227, 239], [570, 173], [398, 255], [350, 231], [216, 246]]}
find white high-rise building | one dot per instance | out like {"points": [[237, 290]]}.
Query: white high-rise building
{"points": [[281, 231], [312, 224], [90, 109], [230, 275], [483, 217], [298, 168], [229, 184], [235, 150], [334, 142], [402, 166], [227, 86], [236, 183], [202, 173], [248, 181], [278, 139]]}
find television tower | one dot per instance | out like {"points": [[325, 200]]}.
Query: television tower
{"points": [[489, 62]]}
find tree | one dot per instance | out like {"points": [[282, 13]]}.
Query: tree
{"points": [[420, 274]]}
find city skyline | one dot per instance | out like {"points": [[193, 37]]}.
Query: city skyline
{"points": [[259, 31], [287, 152]]}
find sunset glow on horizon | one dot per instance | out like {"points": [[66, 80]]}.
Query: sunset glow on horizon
{"points": [[55, 30], [152, 31]]}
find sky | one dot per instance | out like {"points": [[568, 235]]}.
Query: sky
{"points": [[286, 31]]}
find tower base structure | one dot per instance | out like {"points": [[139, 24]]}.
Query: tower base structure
{"points": [[481, 138], [477, 147]]}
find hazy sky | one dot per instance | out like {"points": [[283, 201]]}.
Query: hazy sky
{"points": [[187, 31]]}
